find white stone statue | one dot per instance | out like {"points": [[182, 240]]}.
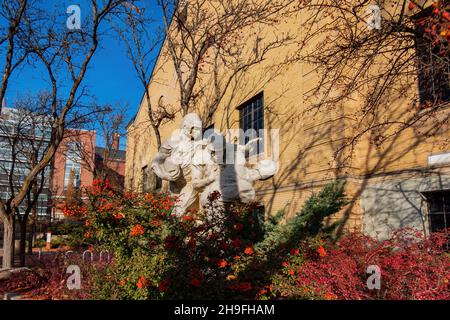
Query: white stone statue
{"points": [[195, 170], [174, 161]]}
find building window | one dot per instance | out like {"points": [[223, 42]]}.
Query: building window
{"points": [[439, 211], [76, 168], [73, 160], [73, 151], [5, 149], [433, 62], [251, 121]]}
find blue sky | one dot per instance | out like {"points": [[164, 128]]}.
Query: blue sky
{"points": [[110, 78]]}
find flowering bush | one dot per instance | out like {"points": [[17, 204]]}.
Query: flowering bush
{"points": [[200, 255], [158, 255], [412, 267], [233, 255]]}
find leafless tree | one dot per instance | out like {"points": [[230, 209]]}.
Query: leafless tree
{"points": [[12, 15], [381, 64], [111, 126], [65, 55], [141, 37], [211, 38]]}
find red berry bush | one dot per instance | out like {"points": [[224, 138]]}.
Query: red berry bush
{"points": [[236, 255], [412, 267]]}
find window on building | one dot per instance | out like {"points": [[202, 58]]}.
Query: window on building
{"points": [[251, 121], [76, 167], [73, 151], [433, 62], [5, 149], [73, 162], [439, 211], [26, 130]]}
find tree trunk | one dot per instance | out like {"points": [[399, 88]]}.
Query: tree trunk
{"points": [[158, 136], [31, 234], [23, 240], [184, 108], [13, 242], [8, 242]]}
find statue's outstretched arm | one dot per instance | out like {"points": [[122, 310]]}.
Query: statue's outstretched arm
{"points": [[163, 167]]}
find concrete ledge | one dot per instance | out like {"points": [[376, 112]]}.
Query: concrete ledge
{"points": [[5, 274], [11, 296]]}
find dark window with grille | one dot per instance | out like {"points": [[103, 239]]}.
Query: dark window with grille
{"points": [[439, 212], [251, 117], [433, 62]]}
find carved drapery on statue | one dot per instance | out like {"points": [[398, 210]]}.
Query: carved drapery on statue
{"points": [[195, 170]]}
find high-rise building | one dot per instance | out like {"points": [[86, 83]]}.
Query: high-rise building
{"points": [[24, 136]]}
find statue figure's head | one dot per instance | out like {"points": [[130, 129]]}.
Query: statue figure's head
{"points": [[192, 126]]}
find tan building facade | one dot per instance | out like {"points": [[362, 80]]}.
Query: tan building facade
{"points": [[391, 185]]}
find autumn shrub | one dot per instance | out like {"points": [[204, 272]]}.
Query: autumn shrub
{"points": [[200, 255], [48, 278], [412, 267], [233, 255], [158, 255], [21, 281]]}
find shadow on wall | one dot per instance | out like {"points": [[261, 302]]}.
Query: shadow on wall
{"points": [[390, 205]]}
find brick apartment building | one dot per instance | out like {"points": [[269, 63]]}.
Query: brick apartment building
{"points": [[24, 135], [110, 163], [74, 159], [80, 160]]}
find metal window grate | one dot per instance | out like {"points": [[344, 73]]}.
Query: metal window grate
{"points": [[76, 167], [251, 117], [439, 212]]}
